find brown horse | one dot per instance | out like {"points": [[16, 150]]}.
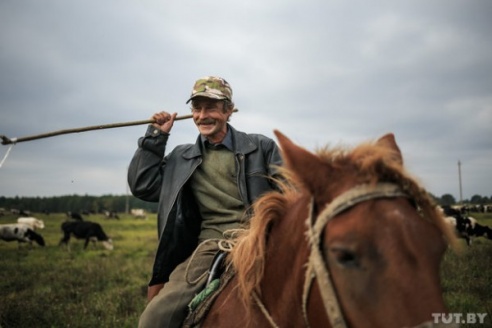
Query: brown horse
{"points": [[351, 241]]}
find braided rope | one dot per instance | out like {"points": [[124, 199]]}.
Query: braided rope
{"points": [[226, 244], [264, 310]]}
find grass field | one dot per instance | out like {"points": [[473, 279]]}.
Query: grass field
{"points": [[467, 277], [50, 287]]}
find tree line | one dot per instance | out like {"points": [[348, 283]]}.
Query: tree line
{"points": [[123, 203], [76, 203], [448, 199]]}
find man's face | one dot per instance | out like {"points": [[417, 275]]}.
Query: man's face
{"points": [[210, 118]]}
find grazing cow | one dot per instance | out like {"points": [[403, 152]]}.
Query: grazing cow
{"points": [[75, 216], [466, 227], [111, 215], [138, 213], [475, 229], [85, 230], [460, 227], [20, 232], [31, 222], [24, 213]]}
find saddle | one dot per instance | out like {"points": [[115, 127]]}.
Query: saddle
{"points": [[219, 276]]}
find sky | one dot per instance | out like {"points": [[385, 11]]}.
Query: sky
{"points": [[321, 72]]}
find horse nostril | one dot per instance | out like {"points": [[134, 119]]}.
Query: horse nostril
{"points": [[344, 257]]}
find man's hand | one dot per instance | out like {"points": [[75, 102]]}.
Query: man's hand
{"points": [[153, 290], [164, 121]]}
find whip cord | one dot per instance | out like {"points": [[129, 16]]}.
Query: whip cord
{"points": [[8, 151]]}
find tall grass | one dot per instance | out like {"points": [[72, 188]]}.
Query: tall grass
{"points": [[52, 287]]}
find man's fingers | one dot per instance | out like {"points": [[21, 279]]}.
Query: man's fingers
{"points": [[163, 117]]}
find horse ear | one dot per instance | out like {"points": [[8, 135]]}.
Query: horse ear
{"points": [[299, 160], [388, 141]]}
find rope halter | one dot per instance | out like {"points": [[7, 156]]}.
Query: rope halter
{"points": [[317, 267]]}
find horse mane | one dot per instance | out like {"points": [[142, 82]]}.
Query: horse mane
{"points": [[248, 255], [373, 163]]}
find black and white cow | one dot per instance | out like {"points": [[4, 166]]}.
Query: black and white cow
{"points": [[111, 215], [90, 231], [20, 233], [476, 229], [466, 227]]}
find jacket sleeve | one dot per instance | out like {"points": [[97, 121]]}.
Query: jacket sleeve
{"points": [[274, 159], [145, 170]]}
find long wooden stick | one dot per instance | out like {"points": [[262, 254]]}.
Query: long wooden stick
{"points": [[7, 141]]}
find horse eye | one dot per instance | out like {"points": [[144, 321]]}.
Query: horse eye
{"points": [[344, 257]]}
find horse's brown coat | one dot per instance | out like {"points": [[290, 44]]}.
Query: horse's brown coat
{"points": [[383, 256]]}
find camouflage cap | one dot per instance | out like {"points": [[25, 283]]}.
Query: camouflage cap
{"points": [[211, 87]]}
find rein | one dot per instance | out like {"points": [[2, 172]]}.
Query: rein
{"points": [[316, 266]]}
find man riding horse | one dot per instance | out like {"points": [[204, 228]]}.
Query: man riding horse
{"points": [[203, 189]]}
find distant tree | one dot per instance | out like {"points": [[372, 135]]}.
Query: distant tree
{"points": [[447, 199], [75, 203], [477, 199]]}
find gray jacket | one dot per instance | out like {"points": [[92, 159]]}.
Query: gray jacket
{"points": [[154, 177]]}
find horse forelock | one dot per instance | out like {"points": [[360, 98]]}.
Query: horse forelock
{"points": [[373, 163]]}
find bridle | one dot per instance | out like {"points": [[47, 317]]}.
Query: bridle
{"points": [[316, 267]]}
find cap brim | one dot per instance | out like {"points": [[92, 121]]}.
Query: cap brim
{"points": [[207, 95]]}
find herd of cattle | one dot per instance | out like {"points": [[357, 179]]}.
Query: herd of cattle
{"points": [[26, 230]]}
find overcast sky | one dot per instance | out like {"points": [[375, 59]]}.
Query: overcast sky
{"points": [[322, 72]]}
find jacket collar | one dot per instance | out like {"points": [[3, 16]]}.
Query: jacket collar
{"points": [[241, 141]]}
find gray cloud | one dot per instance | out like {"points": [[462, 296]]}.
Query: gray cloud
{"points": [[321, 72]]}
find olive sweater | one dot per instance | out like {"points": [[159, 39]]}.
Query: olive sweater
{"points": [[214, 185]]}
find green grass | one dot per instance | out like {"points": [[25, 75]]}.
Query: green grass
{"points": [[467, 276], [51, 287]]}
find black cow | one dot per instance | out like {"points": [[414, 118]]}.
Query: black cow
{"points": [[75, 216], [90, 231]]}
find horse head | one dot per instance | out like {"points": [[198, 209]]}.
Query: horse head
{"points": [[379, 240]]}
